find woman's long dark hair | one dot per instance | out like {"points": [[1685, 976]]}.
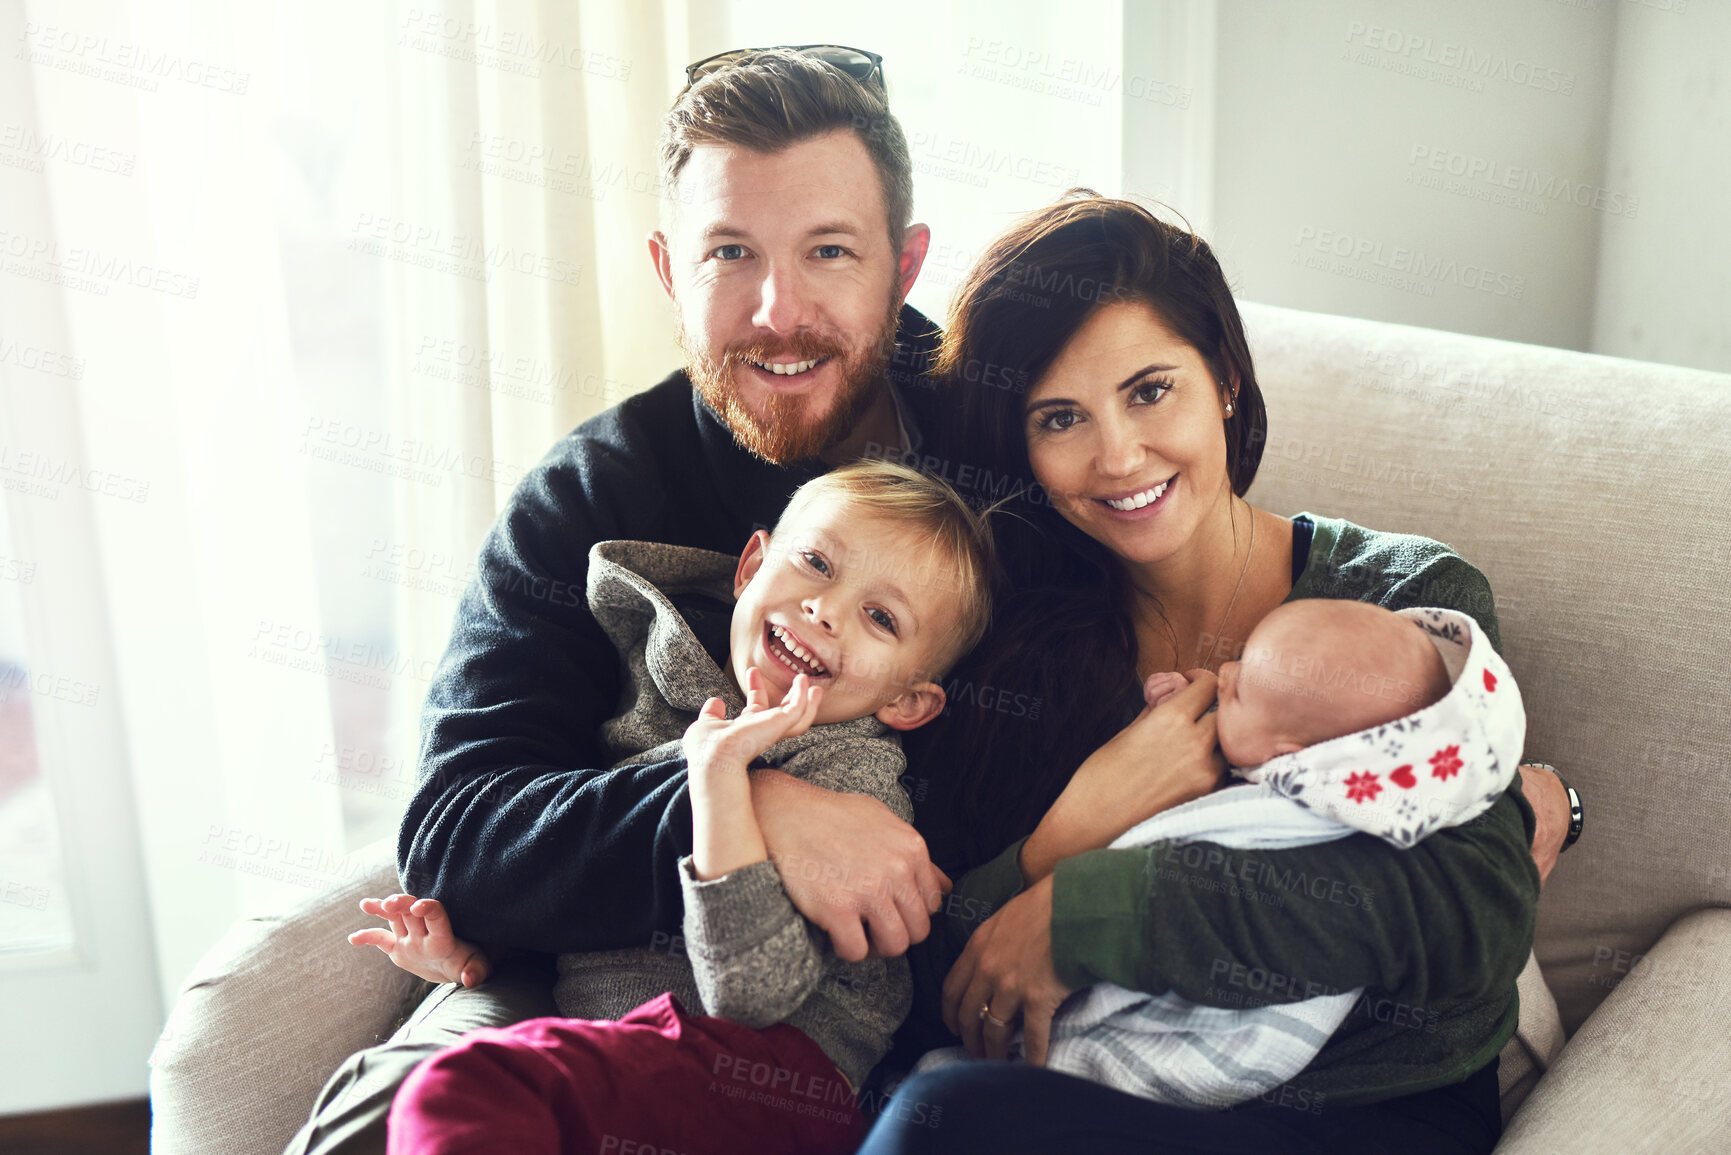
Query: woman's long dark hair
{"points": [[1049, 684]]}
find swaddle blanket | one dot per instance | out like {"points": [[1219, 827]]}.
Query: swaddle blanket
{"points": [[1440, 766]]}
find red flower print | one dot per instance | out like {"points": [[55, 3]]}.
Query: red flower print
{"points": [[1490, 681], [1446, 763], [1362, 786]]}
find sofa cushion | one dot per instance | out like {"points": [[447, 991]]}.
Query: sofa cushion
{"points": [[266, 1016], [1651, 1070]]}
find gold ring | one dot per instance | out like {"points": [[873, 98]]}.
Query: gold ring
{"points": [[986, 1016]]}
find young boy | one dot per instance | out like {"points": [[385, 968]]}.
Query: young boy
{"points": [[874, 581]]}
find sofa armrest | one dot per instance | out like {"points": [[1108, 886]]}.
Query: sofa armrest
{"points": [[266, 1016], [1650, 1069]]}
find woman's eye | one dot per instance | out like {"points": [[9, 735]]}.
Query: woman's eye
{"points": [[885, 620], [816, 561], [830, 252], [729, 252], [1059, 419], [1149, 392]]}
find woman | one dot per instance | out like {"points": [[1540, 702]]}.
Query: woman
{"points": [[1136, 421]]}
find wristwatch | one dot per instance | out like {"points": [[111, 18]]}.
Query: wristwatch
{"points": [[1577, 814]]}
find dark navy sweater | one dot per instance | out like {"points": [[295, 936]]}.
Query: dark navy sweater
{"points": [[516, 825]]}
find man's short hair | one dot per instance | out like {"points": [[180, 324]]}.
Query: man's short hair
{"points": [[774, 98], [958, 532]]}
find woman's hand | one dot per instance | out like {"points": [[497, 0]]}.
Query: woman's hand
{"points": [[1167, 756], [1550, 802], [1006, 970]]}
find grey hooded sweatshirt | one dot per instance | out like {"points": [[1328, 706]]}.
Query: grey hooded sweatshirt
{"points": [[748, 955]]}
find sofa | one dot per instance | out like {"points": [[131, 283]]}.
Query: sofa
{"points": [[1586, 488]]}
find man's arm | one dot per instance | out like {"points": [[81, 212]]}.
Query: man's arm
{"points": [[516, 825]]}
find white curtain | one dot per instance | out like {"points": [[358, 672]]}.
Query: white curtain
{"points": [[334, 276], [338, 276]]}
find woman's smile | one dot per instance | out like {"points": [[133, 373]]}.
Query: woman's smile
{"points": [[1138, 504]]}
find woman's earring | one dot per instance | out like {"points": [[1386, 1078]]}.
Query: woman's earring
{"points": [[1229, 409]]}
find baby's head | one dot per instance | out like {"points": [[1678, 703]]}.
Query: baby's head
{"points": [[874, 582], [1321, 668]]}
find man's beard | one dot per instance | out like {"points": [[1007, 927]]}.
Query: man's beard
{"points": [[786, 431]]}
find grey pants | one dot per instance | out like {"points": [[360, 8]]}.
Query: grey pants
{"points": [[349, 1116]]}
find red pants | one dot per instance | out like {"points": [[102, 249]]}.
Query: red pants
{"points": [[657, 1082]]}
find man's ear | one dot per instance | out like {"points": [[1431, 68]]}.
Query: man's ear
{"points": [[661, 256], [919, 704], [750, 560], [915, 242]]}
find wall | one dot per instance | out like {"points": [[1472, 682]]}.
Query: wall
{"points": [[1664, 278], [1418, 162]]}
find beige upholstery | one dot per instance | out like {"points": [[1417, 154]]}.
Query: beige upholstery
{"points": [[268, 1014], [1537, 1042], [1651, 1069], [1587, 489]]}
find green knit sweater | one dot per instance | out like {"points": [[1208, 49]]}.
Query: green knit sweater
{"points": [[1435, 935]]}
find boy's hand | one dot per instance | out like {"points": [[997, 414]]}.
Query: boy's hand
{"points": [[420, 940], [714, 742]]}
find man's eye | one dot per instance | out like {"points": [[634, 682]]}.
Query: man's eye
{"points": [[729, 252], [816, 561], [883, 618], [831, 252]]}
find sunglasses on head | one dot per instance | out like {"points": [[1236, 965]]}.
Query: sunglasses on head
{"points": [[865, 67]]}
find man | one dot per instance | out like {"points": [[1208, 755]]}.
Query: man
{"points": [[788, 253]]}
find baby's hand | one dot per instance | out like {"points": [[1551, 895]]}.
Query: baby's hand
{"points": [[420, 940], [1159, 687]]}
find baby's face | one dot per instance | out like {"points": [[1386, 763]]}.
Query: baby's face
{"points": [[860, 602], [1247, 721], [1315, 669]]}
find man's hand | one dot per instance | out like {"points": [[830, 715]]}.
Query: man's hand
{"points": [[858, 872], [1006, 970], [420, 940], [1550, 802]]}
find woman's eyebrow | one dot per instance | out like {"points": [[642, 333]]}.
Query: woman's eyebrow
{"points": [[1157, 367], [1143, 372]]}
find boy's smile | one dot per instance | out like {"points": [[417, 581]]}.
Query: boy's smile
{"points": [[787, 647]]}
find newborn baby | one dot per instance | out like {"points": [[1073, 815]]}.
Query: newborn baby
{"points": [[1316, 669], [1331, 706]]}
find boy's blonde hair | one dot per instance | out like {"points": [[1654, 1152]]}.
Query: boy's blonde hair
{"points": [[957, 530]]}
